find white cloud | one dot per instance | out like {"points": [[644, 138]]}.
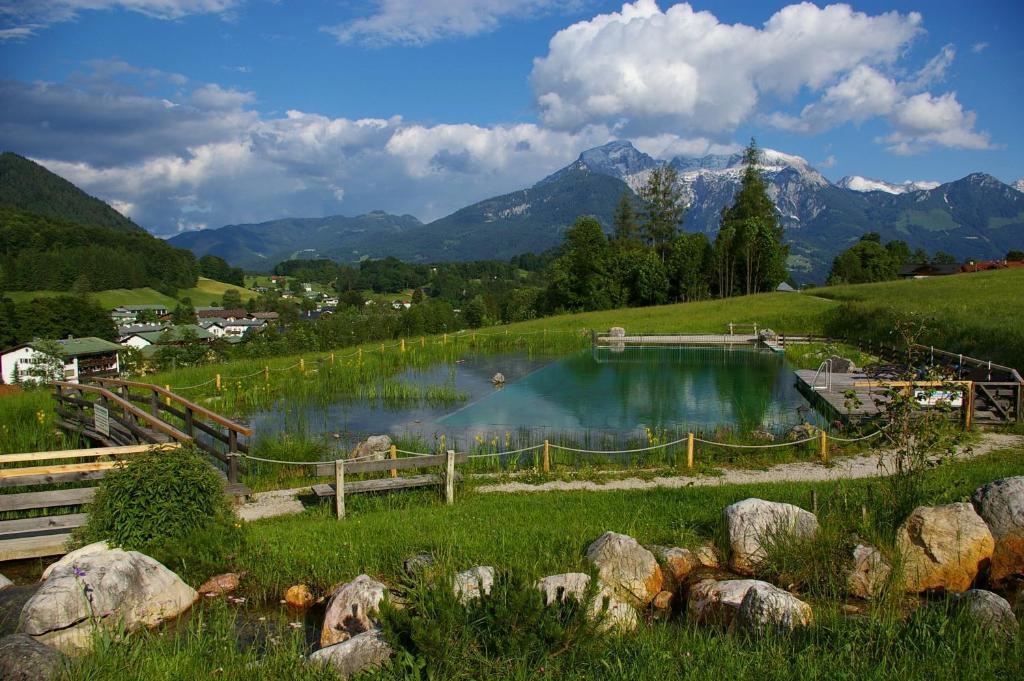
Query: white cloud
{"points": [[25, 18], [418, 22], [934, 71], [646, 69], [979, 47], [924, 120], [863, 94]]}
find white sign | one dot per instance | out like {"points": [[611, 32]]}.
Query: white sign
{"points": [[101, 417], [934, 398]]}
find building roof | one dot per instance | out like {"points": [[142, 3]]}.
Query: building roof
{"points": [[221, 313], [264, 315], [246, 322], [132, 329], [929, 270], [785, 288], [175, 333], [143, 308], [89, 345]]}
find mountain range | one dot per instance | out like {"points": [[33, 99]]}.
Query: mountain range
{"points": [[974, 217]]}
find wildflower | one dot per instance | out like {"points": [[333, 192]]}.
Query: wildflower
{"points": [[79, 572]]}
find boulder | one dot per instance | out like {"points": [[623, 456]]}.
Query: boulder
{"points": [[842, 365], [717, 602], [4, 582], [12, 602], [869, 573], [1001, 506], [352, 610], [498, 379], [373, 448], [990, 611], [22, 658], [943, 547], [676, 565], [70, 558], [299, 597], [663, 601], [473, 583], [763, 436], [629, 569], [618, 614], [753, 524], [419, 565], [801, 432], [767, 608], [120, 588], [220, 584], [367, 650], [617, 332], [708, 556]]}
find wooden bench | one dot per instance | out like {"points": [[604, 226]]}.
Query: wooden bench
{"points": [[48, 535], [340, 468]]}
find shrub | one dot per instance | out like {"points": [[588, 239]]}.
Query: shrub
{"points": [[509, 628], [157, 497]]}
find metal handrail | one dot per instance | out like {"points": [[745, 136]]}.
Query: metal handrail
{"points": [[827, 366]]}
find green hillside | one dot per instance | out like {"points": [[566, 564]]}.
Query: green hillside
{"points": [[30, 187], [205, 292]]}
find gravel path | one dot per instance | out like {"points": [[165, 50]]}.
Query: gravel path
{"points": [[864, 466], [284, 501]]}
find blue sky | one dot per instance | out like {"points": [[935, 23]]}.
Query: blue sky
{"points": [[198, 113]]}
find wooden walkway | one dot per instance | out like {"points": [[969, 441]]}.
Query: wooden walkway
{"points": [[835, 401]]}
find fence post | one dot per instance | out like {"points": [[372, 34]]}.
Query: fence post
{"points": [[302, 364], [332, 358], [266, 374], [402, 342], [339, 488], [444, 339], [218, 382], [359, 352], [154, 403], [449, 477], [167, 399], [393, 454], [547, 457], [824, 446], [232, 456], [423, 342], [814, 501], [968, 407], [689, 450]]}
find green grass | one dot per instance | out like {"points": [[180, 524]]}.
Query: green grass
{"points": [[209, 292], [542, 534], [206, 292]]}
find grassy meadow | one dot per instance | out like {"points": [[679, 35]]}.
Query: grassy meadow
{"points": [[205, 292]]}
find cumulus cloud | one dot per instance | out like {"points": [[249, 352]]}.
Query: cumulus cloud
{"points": [[23, 18], [924, 120], [645, 68], [419, 22], [977, 48]]}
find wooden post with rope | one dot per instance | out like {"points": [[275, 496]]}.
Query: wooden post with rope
{"points": [[824, 446], [547, 457], [689, 450], [218, 382], [393, 454], [339, 488]]}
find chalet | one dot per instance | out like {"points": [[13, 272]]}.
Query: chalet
{"points": [[986, 265], [213, 327], [175, 335], [221, 314], [125, 332], [239, 327], [330, 301], [83, 357], [265, 316]]}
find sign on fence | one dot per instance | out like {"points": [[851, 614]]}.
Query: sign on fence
{"points": [[101, 417]]}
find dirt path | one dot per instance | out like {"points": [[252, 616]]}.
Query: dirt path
{"points": [[864, 466], [285, 501]]}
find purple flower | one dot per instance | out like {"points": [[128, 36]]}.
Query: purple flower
{"points": [[79, 572]]}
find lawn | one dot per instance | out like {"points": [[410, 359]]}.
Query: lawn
{"points": [[206, 292]]}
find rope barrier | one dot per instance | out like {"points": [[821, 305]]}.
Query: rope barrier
{"points": [[621, 451], [736, 446], [514, 451]]}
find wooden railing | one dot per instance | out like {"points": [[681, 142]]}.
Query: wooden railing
{"points": [[142, 412]]}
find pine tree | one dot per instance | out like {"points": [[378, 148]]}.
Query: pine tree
{"points": [[627, 229], [664, 208]]}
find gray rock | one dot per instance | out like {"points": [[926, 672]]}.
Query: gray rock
{"points": [[419, 565], [1001, 505], [4, 582], [753, 524], [557, 587], [112, 587], [801, 432], [473, 583], [22, 658], [628, 568], [717, 602], [71, 557], [767, 608], [359, 653], [617, 332], [373, 448], [842, 365], [12, 601], [498, 379], [352, 610], [990, 611], [869, 572], [617, 614]]}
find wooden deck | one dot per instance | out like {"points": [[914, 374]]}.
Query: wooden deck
{"points": [[835, 400], [679, 339]]}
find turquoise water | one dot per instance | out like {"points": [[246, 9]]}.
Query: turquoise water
{"points": [[599, 392], [638, 388]]}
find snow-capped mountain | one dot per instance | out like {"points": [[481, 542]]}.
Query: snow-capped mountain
{"points": [[1018, 185], [866, 184]]}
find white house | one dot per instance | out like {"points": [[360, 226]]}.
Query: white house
{"points": [[238, 327], [215, 329], [83, 357]]}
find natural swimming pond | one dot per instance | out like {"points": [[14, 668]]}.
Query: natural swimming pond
{"points": [[623, 394]]}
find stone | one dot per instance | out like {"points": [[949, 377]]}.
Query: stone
{"points": [[22, 658], [766, 608], [373, 448], [419, 565], [943, 547], [498, 379], [767, 335], [1001, 505], [367, 650], [754, 523], [842, 365], [708, 556], [676, 565], [989, 610], [663, 601], [352, 610], [220, 584], [802, 431], [617, 332], [4, 582], [70, 558], [629, 569], [299, 597], [473, 583], [763, 436], [717, 602], [618, 614], [119, 588], [869, 573]]}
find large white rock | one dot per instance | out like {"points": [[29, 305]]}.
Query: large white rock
{"points": [[943, 547], [869, 572], [717, 602], [1001, 505], [117, 588], [754, 523], [628, 568], [4, 582], [989, 610], [352, 610], [767, 608], [359, 653], [70, 558], [474, 582], [373, 448], [618, 614]]}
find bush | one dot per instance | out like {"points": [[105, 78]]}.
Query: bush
{"points": [[509, 628], [155, 498]]}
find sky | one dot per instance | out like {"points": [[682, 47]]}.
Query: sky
{"points": [[193, 114]]}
